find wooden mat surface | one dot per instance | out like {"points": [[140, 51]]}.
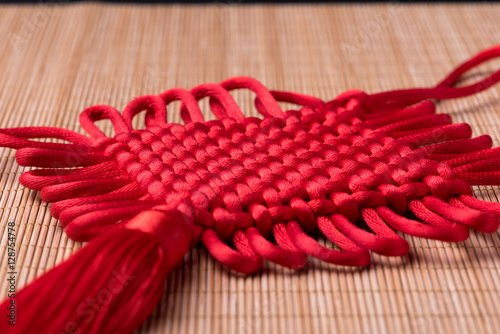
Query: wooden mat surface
{"points": [[57, 60]]}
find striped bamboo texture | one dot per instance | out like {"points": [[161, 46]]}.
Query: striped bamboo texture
{"points": [[57, 59]]}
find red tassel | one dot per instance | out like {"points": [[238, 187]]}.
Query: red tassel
{"points": [[109, 286]]}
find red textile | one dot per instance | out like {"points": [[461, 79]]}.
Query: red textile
{"points": [[356, 169]]}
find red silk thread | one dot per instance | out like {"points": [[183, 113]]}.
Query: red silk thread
{"points": [[254, 189]]}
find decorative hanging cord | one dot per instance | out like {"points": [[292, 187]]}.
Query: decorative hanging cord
{"points": [[357, 169]]}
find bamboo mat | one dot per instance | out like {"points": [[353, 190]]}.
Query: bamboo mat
{"points": [[58, 59]]}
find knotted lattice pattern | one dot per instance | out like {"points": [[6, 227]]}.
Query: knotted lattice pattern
{"points": [[351, 169]]}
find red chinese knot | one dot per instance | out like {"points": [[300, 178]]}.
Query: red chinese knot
{"points": [[357, 169]]}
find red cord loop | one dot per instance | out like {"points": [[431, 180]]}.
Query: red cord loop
{"points": [[222, 103], [190, 111], [444, 90], [156, 110], [92, 114], [19, 138], [265, 101]]}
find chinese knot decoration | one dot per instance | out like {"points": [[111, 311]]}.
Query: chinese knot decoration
{"points": [[357, 169]]}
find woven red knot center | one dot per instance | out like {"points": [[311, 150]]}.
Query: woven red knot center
{"points": [[357, 170], [258, 172]]}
